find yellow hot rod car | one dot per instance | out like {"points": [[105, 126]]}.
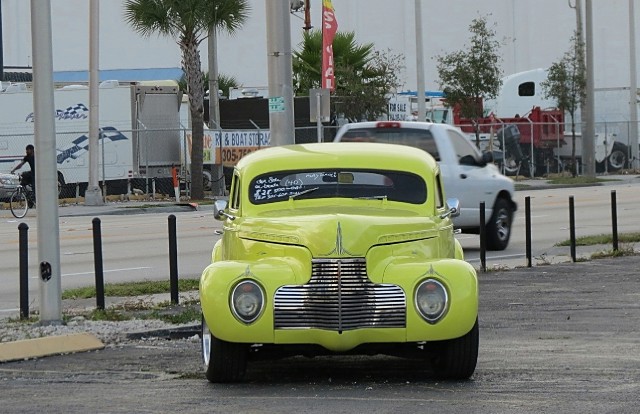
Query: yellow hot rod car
{"points": [[338, 248]]}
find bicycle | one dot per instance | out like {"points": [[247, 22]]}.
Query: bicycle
{"points": [[21, 201]]}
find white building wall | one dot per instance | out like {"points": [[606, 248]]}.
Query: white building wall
{"points": [[535, 33]]}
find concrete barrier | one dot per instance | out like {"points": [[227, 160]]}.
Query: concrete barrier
{"points": [[50, 345]]}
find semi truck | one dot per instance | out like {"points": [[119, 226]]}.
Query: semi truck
{"points": [[525, 130], [139, 135]]}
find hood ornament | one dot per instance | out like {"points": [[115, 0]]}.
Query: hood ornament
{"points": [[340, 250]]}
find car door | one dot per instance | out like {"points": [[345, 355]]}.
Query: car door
{"points": [[468, 179]]}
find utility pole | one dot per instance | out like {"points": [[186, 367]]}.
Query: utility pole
{"points": [[217, 184], [93, 195], [1, 47], [633, 88], [281, 123], [307, 15], [46, 173], [422, 110], [588, 135]]}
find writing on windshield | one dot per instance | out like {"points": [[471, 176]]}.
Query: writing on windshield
{"points": [[361, 184]]}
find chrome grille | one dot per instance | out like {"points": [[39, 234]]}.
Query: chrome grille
{"points": [[339, 297]]}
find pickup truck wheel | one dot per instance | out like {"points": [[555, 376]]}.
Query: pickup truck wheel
{"points": [[498, 230], [223, 361], [457, 358]]}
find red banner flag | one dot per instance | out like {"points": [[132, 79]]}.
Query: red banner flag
{"points": [[329, 29]]}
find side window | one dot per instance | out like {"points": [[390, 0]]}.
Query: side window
{"points": [[439, 193], [527, 89], [234, 199], [466, 152]]}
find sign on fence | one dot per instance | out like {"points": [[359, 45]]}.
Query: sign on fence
{"points": [[228, 147]]}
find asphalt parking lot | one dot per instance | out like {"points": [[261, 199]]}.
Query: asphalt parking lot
{"points": [[560, 338]]}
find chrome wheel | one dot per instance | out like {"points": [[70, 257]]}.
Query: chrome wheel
{"points": [[498, 229], [206, 343]]}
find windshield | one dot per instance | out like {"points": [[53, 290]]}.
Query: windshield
{"points": [[333, 183]]}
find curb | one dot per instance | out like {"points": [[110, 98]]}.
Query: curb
{"points": [[182, 332], [47, 346]]}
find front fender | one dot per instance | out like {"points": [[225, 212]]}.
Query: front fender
{"points": [[459, 253], [461, 283], [216, 253], [217, 282]]}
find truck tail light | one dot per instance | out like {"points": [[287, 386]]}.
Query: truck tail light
{"points": [[388, 125]]}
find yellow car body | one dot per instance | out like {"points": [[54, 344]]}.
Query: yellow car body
{"points": [[337, 240]]}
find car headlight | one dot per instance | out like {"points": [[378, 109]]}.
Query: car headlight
{"points": [[247, 301], [431, 300]]}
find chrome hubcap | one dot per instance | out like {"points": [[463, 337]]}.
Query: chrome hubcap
{"points": [[502, 224], [206, 343]]}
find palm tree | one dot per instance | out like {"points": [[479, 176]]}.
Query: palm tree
{"points": [[307, 62], [188, 22], [225, 83], [364, 76]]}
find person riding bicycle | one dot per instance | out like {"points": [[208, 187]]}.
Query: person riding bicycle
{"points": [[27, 177]]}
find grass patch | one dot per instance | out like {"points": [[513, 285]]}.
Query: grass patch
{"points": [[602, 239], [108, 315], [624, 250], [131, 289], [578, 180], [182, 316]]}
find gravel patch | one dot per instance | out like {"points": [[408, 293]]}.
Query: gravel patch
{"points": [[109, 332]]}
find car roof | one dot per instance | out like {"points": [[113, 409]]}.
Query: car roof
{"points": [[400, 124], [363, 155]]}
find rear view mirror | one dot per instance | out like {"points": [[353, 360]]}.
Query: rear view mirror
{"points": [[453, 208], [218, 210]]}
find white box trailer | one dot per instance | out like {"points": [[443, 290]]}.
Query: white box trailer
{"points": [[139, 132]]}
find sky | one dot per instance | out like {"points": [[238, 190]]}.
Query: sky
{"points": [[534, 35]]}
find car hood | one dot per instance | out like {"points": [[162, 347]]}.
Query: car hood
{"points": [[339, 234]]}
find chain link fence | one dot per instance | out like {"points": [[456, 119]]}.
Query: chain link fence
{"points": [[130, 162], [142, 162], [542, 148]]}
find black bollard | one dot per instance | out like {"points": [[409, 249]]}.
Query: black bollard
{"points": [[527, 225], [572, 228], [23, 245], [614, 220], [97, 258], [173, 259], [483, 234]]}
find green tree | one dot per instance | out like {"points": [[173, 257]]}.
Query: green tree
{"points": [[566, 83], [364, 76], [225, 83], [188, 22], [467, 77]]}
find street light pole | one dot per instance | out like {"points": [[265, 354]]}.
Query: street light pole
{"points": [[217, 184], [588, 136], [1, 47], [633, 89], [93, 195], [422, 110], [281, 123], [46, 175]]}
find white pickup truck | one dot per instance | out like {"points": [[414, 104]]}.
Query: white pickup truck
{"points": [[468, 174]]}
